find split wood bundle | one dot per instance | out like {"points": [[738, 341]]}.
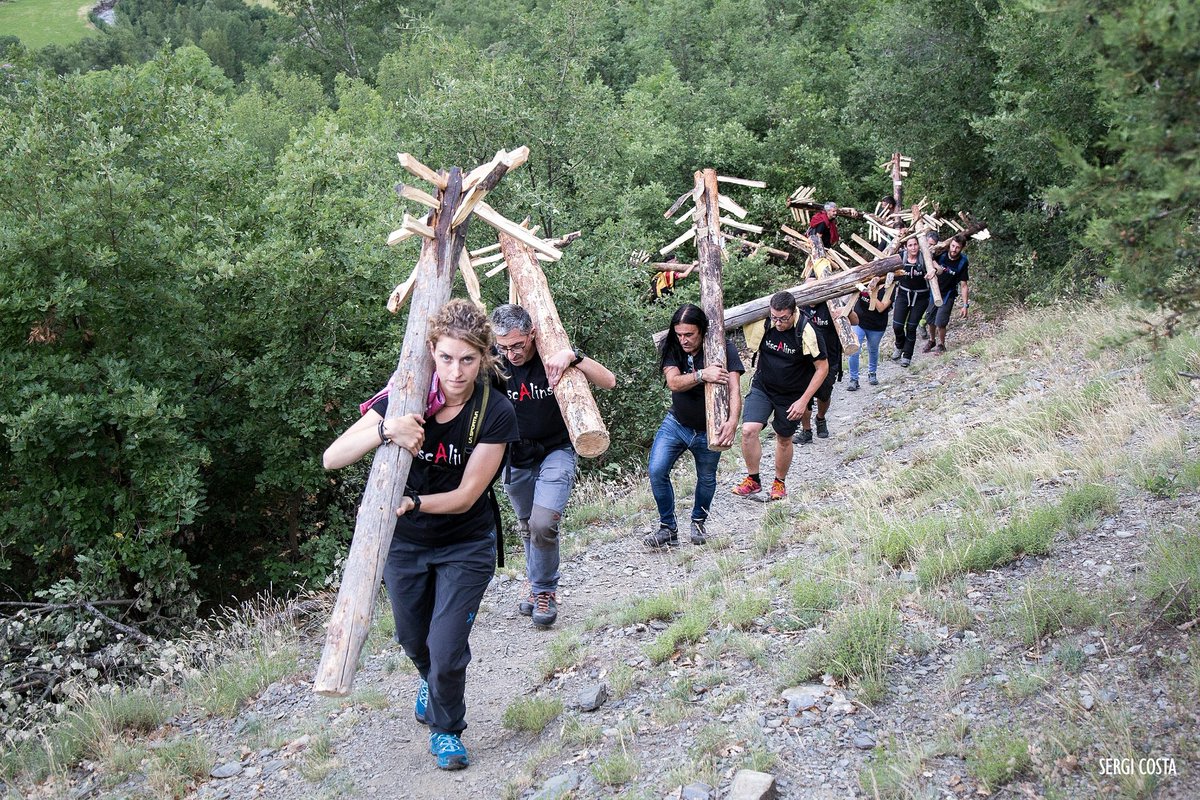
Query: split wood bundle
{"points": [[707, 230], [442, 232]]}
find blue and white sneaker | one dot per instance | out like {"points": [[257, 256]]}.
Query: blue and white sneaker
{"points": [[422, 702], [449, 751]]}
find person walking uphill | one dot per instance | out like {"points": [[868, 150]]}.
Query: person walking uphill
{"points": [[871, 310], [791, 368], [953, 279], [443, 552], [541, 466], [910, 301], [685, 427]]}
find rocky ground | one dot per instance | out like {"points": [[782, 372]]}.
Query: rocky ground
{"points": [[684, 727]]}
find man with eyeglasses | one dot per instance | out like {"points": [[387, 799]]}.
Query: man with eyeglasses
{"points": [[791, 368], [541, 466]]}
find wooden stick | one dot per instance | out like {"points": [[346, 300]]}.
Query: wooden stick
{"points": [[742, 182], [683, 237], [416, 195], [852, 253], [401, 294], [487, 176], [470, 279], [579, 410], [500, 223], [730, 206], [678, 203], [421, 171], [490, 248], [741, 226], [865, 245], [417, 226], [351, 618], [481, 262], [685, 216], [759, 246], [496, 269], [673, 266]]}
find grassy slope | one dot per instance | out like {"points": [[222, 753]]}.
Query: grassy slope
{"points": [[41, 22], [1060, 437]]}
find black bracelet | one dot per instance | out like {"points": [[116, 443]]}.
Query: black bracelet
{"points": [[416, 498], [579, 356], [382, 438]]}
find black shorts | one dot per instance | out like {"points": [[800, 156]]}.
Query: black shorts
{"points": [[940, 317], [760, 406]]}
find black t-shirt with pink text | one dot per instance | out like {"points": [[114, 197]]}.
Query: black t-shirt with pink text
{"points": [[440, 465]]}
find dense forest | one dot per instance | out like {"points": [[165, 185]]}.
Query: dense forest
{"points": [[194, 203]]}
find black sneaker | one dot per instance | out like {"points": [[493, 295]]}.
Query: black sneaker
{"points": [[545, 609], [822, 428], [525, 604], [699, 535], [904, 362], [803, 437], [871, 379], [663, 537], [897, 354], [853, 385]]}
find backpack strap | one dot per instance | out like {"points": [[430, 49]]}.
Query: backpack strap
{"points": [[479, 406]]}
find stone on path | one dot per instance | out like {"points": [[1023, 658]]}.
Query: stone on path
{"points": [[751, 785], [558, 787], [592, 697], [697, 791], [227, 770]]}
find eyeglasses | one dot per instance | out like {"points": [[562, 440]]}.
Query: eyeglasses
{"points": [[787, 318], [519, 347]]}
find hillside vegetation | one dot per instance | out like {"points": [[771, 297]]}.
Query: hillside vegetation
{"points": [[985, 582], [194, 204]]}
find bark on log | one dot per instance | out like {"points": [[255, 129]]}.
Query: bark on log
{"points": [[363, 571], [573, 393], [709, 247], [930, 266], [835, 285]]}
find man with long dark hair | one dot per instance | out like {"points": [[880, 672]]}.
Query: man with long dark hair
{"points": [[685, 427]]}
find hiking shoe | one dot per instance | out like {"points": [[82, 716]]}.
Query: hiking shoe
{"points": [[929, 346], [747, 487], [941, 349], [545, 609], [525, 605], [822, 428], [896, 354], [871, 379], [778, 490], [803, 437], [663, 537], [853, 385], [699, 535], [422, 702], [904, 362], [449, 750], [923, 332]]}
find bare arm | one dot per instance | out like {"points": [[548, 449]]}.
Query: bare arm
{"points": [[680, 382], [596, 373], [363, 437], [797, 409]]}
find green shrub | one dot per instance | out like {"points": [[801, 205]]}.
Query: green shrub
{"points": [[1171, 579], [531, 714], [997, 756]]}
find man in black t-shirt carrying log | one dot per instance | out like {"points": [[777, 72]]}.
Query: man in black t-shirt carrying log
{"points": [[541, 466], [792, 366]]}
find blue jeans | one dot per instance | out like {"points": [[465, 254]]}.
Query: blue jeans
{"points": [[539, 494], [671, 442], [872, 340]]}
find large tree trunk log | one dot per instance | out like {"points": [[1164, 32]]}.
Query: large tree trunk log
{"points": [[808, 294], [363, 571], [574, 395], [709, 247]]}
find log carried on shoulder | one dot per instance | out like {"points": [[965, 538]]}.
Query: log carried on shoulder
{"points": [[351, 619], [835, 284], [836, 306], [709, 247], [584, 423]]}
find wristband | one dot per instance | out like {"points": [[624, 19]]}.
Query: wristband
{"points": [[416, 498], [579, 356], [966, 304], [699, 376], [382, 437]]}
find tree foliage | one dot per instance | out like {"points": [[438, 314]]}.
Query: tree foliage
{"points": [[193, 205]]}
